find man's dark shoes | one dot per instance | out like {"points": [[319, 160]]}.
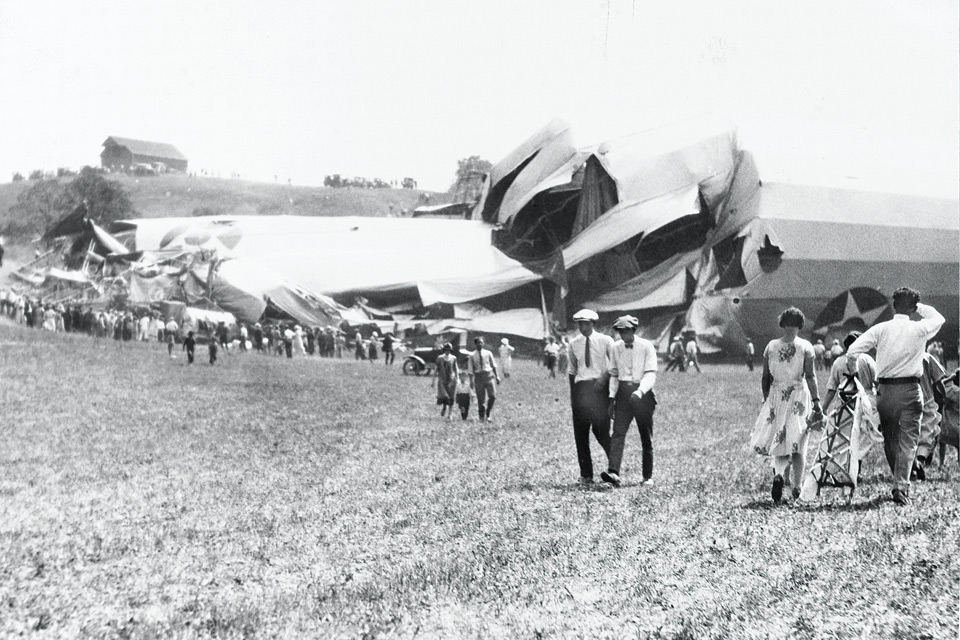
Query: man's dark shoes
{"points": [[901, 498], [585, 481], [777, 491], [610, 477]]}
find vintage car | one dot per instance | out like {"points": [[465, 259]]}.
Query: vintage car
{"points": [[423, 360]]}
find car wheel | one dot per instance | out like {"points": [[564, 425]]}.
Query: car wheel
{"points": [[411, 367]]}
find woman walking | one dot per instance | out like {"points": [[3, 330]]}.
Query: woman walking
{"points": [[789, 386], [447, 375], [506, 357]]}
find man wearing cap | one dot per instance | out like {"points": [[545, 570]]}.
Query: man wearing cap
{"points": [[587, 370], [633, 372], [900, 346], [484, 370]]}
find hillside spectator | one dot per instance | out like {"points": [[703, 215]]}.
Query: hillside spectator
{"points": [[212, 351], [372, 347], [750, 354], [244, 335]]}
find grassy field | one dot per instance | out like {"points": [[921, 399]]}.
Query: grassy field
{"points": [[310, 498], [179, 195]]}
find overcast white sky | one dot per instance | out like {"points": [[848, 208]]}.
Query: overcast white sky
{"points": [[859, 94]]}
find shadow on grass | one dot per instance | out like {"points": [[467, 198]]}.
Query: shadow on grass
{"points": [[817, 507]]}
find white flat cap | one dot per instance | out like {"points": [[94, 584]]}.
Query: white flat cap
{"points": [[626, 322], [586, 314]]}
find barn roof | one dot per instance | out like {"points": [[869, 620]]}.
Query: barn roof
{"points": [[145, 148]]}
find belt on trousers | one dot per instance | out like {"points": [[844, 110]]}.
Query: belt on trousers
{"points": [[906, 380]]}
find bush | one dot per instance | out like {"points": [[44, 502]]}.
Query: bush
{"points": [[36, 174], [18, 177], [65, 172], [47, 201]]}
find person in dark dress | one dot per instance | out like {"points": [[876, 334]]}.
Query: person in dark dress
{"points": [[189, 345], [388, 354], [258, 337], [212, 348]]}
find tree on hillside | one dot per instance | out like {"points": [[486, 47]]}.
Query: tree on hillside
{"points": [[47, 201], [469, 180], [34, 210], [107, 201]]}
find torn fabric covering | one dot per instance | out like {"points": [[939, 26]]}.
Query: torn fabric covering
{"points": [[346, 254], [146, 289], [645, 165], [111, 244], [205, 321], [494, 187], [716, 319], [245, 287], [628, 220], [70, 276], [663, 286], [553, 166], [527, 323], [468, 289]]}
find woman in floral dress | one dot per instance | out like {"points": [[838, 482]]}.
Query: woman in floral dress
{"points": [[790, 393]]}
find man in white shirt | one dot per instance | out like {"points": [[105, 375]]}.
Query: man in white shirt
{"points": [[633, 372], [485, 378], [900, 346], [587, 370]]}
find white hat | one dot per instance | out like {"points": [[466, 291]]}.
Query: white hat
{"points": [[626, 322], [504, 341], [586, 314]]}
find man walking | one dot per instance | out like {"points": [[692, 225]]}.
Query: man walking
{"points": [[633, 372], [484, 370], [587, 370], [900, 345]]}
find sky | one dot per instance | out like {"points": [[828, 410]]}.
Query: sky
{"points": [[859, 94]]}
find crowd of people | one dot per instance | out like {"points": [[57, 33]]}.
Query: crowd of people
{"points": [[898, 398]]}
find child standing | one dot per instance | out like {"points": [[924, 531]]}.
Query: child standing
{"points": [[464, 389], [212, 348]]}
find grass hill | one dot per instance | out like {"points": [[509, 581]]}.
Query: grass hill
{"points": [[179, 195]]}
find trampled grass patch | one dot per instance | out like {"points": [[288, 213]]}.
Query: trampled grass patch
{"points": [[267, 497]]}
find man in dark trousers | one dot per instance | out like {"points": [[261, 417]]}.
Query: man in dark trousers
{"points": [[588, 372], [633, 372], [189, 345], [483, 367], [900, 346]]}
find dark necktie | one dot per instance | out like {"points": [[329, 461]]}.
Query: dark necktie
{"points": [[628, 346], [586, 352]]}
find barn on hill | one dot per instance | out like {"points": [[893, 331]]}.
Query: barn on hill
{"points": [[123, 153]]}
